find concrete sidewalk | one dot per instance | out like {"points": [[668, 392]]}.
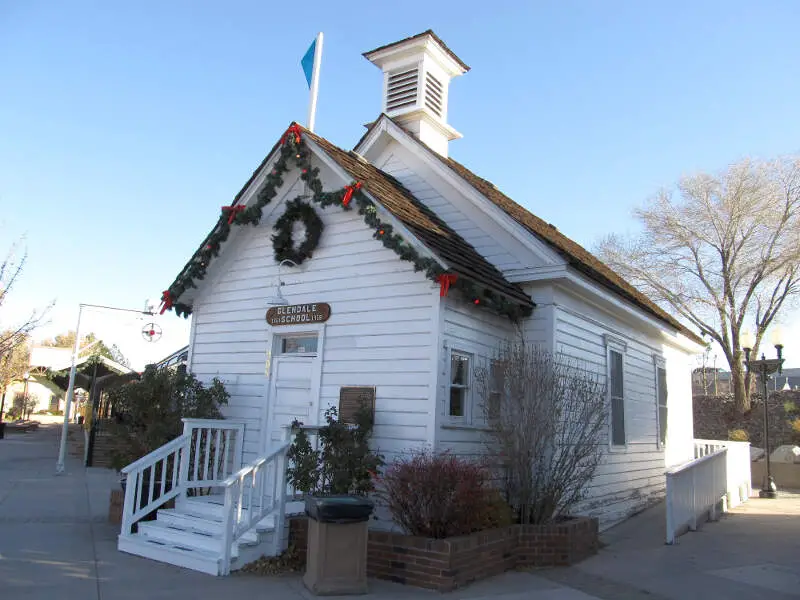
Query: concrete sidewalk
{"points": [[55, 542]]}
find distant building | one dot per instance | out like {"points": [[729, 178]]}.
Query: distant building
{"points": [[717, 382]]}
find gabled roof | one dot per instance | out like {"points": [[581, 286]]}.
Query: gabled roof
{"points": [[459, 256], [578, 257], [421, 221]]}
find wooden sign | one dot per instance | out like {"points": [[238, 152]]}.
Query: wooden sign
{"points": [[299, 314], [351, 399]]}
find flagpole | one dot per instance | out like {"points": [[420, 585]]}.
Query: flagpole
{"points": [[312, 106]]}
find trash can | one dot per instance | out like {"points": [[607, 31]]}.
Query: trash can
{"points": [[336, 560]]}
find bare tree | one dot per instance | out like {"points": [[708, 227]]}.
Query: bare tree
{"points": [[10, 271], [724, 251], [13, 365], [546, 418]]}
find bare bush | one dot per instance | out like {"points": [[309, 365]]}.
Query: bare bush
{"points": [[546, 418]]}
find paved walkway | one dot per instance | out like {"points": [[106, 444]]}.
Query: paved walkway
{"points": [[55, 543]]}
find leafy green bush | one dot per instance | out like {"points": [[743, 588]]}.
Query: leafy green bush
{"points": [[789, 407], [343, 462], [148, 412], [738, 435]]}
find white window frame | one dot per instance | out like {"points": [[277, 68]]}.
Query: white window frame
{"points": [[466, 419], [660, 363], [618, 345]]}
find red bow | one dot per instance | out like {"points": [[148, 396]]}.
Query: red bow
{"points": [[445, 281], [348, 193], [232, 211], [294, 129], [166, 302]]}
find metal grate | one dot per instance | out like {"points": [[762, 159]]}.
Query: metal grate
{"points": [[433, 94], [402, 89]]}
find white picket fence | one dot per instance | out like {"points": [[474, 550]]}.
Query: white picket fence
{"points": [[718, 477]]}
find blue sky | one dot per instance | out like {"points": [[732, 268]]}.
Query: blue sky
{"points": [[125, 126]]}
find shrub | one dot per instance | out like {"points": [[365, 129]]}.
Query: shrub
{"points": [[789, 407], [738, 435], [148, 412], [441, 495], [795, 425], [546, 416], [343, 463]]}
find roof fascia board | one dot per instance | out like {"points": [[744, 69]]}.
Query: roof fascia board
{"points": [[522, 235], [605, 300], [385, 214], [548, 272]]}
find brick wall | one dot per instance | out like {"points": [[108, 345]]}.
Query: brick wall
{"points": [[716, 416], [558, 544], [445, 565]]}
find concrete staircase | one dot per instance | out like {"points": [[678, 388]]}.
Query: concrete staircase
{"points": [[190, 536]]}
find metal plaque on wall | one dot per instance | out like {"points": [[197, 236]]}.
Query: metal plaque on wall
{"points": [[352, 398], [299, 314]]}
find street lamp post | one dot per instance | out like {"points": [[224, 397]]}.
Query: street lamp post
{"points": [[764, 367], [62, 449]]}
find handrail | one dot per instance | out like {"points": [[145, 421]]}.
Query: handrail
{"points": [[161, 452], [233, 478], [252, 493], [202, 457], [693, 463]]}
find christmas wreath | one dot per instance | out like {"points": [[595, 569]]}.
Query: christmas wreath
{"points": [[283, 242]]}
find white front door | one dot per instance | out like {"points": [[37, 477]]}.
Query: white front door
{"points": [[294, 383]]}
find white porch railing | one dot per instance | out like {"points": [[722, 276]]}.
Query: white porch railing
{"points": [[203, 457], [251, 494], [717, 478], [694, 491], [737, 467]]}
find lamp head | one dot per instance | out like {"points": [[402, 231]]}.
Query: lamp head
{"points": [[777, 337], [747, 341]]}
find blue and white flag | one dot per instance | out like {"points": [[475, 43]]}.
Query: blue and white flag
{"points": [[307, 62]]}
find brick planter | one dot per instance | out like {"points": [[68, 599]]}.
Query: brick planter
{"points": [[447, 564]]}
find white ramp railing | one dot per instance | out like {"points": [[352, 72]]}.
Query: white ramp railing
{"points": [[695, 490], [737, 465]]}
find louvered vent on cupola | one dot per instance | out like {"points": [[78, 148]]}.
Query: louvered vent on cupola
{"points": [[401, 89], [433, 94], [417, 73]]}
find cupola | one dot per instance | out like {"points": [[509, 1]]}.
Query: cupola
{"points": [[416, 78]]}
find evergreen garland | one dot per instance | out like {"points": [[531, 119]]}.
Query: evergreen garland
{"points": [[294, 153], [282, 242]]}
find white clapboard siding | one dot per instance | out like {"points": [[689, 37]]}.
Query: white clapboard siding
{"points": [[479, 231], [632, 477], [381, 331], [481, 334]]}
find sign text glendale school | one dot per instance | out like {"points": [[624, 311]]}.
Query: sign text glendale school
{"points": [[299, 314]]}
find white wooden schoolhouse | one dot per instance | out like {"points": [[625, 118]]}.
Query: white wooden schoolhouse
{"points": [[375, 270]]}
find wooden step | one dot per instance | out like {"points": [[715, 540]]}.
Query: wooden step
{"points": [[174, 518], [188, 558]]}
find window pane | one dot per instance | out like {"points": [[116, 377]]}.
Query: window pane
{"points": [[662, 423], [457, 396], [298, 345], [459, 369], [617, 422], [662, 386]]}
